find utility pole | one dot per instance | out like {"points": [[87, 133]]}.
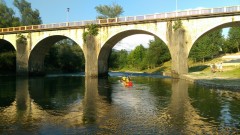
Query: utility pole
{"points": [[68, 9]]}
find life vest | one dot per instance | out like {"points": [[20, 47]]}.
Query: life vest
{"points": [[128, 83]]}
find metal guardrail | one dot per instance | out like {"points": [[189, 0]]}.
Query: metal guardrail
{"points": [[158, 16]]}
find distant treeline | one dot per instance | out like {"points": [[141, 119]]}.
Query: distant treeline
{"points": [[140, 58]]}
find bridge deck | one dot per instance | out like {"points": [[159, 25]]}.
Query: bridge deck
{"points": [[185, 14]]}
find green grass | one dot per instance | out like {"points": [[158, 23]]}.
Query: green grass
{"points": [[231, 73]]}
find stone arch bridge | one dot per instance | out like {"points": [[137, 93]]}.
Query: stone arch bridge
{"points": [[195, 24]]}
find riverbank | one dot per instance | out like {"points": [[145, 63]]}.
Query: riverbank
{"points": [[228, 79], [213, 80]]}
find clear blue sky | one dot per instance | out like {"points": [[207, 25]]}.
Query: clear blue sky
{"points": [[54, 11]]}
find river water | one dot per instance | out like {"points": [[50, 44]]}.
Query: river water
{"points": [[73, 104]]}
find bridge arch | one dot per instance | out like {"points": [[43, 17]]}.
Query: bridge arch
{"points": [[212, 28], [39, 51], [8, 44], [8, 57], [112, 41]]}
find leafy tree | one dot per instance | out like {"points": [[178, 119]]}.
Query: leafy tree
{"points": [[140, 57], [122, 58], [28, 15], [157, 53], [228, 47], [65, 56], [7, 51], [113, 60], [52, 58], [109, 11], [118, 59], [136, 57], [7, 16], [234, 39], [207, 47], [8, 62]]}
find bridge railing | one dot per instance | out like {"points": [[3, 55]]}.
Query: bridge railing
{"points": [[157, 16]]}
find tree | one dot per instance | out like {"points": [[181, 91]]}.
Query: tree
{"points": [[118, 59], [7, 16], [28, 16], [7, 51], [234, 39], [65, 56], [122, 58], [113, 60], [207, 47], [136, 57], [7, 62], [157, 53], [109, 11]]}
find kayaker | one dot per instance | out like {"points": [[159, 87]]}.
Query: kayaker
{"points": [[124, 78]]}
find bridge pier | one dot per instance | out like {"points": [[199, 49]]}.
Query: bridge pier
{"points": [[90, 50], [103, 62], [22, 55], [103, 68], [178, 49]]}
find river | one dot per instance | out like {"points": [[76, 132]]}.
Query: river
{"points": [[74, 104]]}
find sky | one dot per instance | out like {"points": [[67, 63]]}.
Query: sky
{"points": [[55, 11]]}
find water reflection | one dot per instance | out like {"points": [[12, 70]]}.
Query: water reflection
{"points": [[56, 93], [218, 109], [7, 91], [78, 105], [23, 101], [90, 100], [183, 117]]}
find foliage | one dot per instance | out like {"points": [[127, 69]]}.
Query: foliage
{"points": [[136, 57], [207, 47], [7, 16], [21, 39], [7, 52], [157, 53], [8, 62], [65, 56], [118, 59], [140, 58], [28, 15], [92, 29], [109, 11], [233, 41], [177, 24]]}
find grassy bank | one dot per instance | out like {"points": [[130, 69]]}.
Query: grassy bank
{"points": [[229, 78]]}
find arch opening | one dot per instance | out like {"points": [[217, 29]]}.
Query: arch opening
{"points": [[209, 50], [116, 54], [56, 54], [7, 58]]}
